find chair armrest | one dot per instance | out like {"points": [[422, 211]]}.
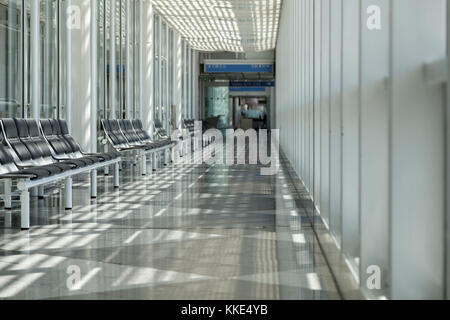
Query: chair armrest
{"points": [[62, 159], [91, 154]]}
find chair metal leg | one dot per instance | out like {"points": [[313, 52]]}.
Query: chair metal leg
{"points": [[8, 219], [144, 165], [8, 200], [116, 175], [25, 210], [68, 192], [106, 170], [93, 184], [34, 192], [154, 162], [41, 192]]}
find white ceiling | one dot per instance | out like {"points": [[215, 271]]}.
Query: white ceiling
{"points": [[224, 25]]}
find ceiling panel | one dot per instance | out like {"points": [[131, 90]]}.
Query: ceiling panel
{"points": [[224, 25]]}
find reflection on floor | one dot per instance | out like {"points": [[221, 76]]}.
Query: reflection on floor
{"points": [[190, 232]]}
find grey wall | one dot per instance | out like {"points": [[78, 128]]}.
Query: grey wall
{"points": [[364, 126]]}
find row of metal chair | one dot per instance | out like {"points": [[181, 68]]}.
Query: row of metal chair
{"points": [[189, 126], [39, 153], [127, 136]]}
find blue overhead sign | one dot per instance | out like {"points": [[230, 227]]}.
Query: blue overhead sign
{"points": [[247, 89], [252, 83], [239, 68]]}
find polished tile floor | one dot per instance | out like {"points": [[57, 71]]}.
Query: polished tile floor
{"points": [[188, 232]]}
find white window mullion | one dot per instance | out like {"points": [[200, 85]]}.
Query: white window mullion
{"points": [[128, 72], [35, 59], [112, 60]]}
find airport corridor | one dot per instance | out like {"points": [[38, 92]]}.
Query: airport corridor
{"points": [[190, 232]]}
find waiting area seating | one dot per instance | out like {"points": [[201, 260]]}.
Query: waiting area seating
{"points": [[160, 131], [37, 154], [190, 129], [129, 137]]}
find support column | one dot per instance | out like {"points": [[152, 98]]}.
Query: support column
{"points": [[94, 78], [146, 69], [178, 69], [69, 70]]}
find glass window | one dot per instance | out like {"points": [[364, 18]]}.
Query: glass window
{"points": [[129, 70], [122, 60], [117, 64], [156, 82], [63, 59], [171, 104], [183, 79], [105, 66], [102, 98], [191, 79], [11, 61], [107, 45], [136, 66], [163, 100], [188, 82], [49, 59]]}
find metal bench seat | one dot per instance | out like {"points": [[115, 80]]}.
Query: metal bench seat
{"points": [[56, 133], [128, 136], [36, 160]]}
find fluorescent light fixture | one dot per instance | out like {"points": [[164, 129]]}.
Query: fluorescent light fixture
{"points": [[224, 25]]}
